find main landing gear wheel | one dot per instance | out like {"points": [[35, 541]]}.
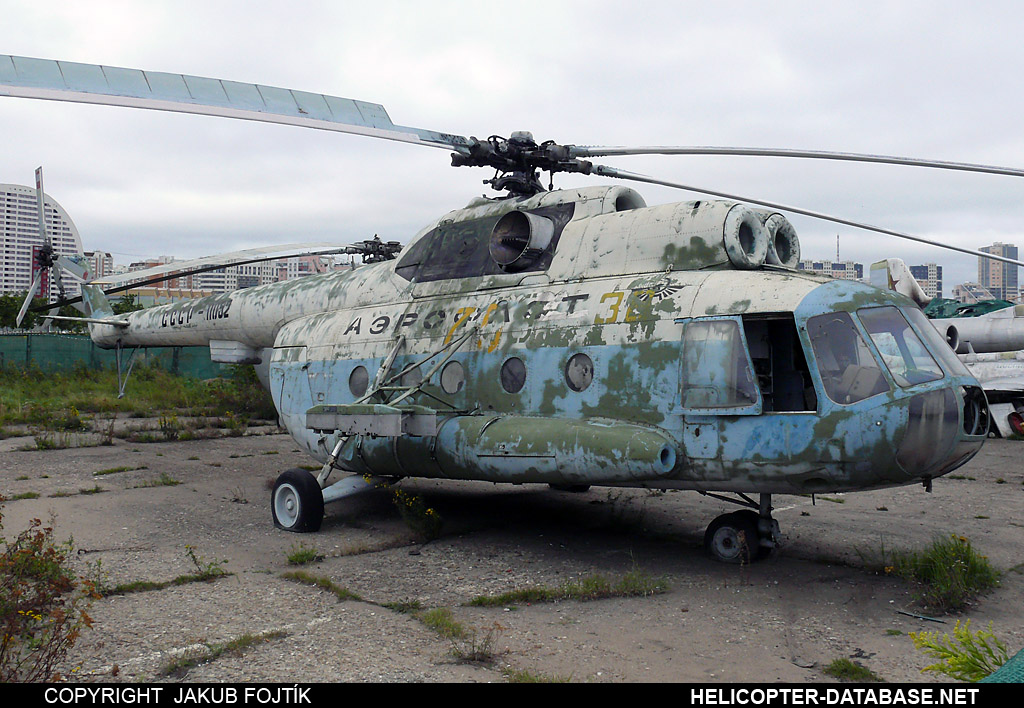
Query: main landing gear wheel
{"points": [[733, 538], [297, 502]]}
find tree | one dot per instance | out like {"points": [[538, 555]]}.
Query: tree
{"points": [[10, 305]]}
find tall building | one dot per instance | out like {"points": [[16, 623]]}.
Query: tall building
{"points": [[930, 278], [101, 264], [998, 277], [843, 270], [19, 233]]}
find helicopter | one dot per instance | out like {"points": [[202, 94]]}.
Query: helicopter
{"points": [[569, 337]]}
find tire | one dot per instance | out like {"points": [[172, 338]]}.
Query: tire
{"points": [[297, 503], [732, 538]]}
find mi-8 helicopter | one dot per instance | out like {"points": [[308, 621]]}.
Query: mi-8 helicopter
{"points": [[571, 337]]}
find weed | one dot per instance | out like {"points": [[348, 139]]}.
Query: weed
{"points": [[404, 607], [594, 587], [834, 500], [477, 646], [42, 605], [301, 576], [893, 633], [967, 656], [422, 519], [97, 489], [950, 573], [165, 480], [847, 670], [170, 428], [210, 652], [21, 477], [300, 554], [206, 571], [467, 644]]}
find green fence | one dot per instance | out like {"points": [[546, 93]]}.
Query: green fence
{"points": [[62, 352]]}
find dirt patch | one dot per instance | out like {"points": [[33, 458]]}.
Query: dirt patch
{"points": [[783, 619]]}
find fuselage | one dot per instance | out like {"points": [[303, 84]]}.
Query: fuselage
{"points": [[625, 348]]}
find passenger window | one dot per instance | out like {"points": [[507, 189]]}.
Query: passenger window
{"points": [[902, 351], [848, 370], [716, 368]]}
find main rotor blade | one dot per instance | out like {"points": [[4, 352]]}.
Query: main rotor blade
{"points": [[576, 151], [622, 174], [114, 86]]}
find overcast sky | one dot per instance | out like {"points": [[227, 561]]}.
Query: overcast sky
{"points": [[929, 79]]}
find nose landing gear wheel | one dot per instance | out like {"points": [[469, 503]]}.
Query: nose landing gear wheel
{"points": [[733, 538], [297, 503]]}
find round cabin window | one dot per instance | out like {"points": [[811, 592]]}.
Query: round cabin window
{"points": [[358, 381], [453, 377], [513, 375], [579, 372]]}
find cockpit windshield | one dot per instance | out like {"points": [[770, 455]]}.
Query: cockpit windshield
{"points": [[848, 370], [902, 351]]}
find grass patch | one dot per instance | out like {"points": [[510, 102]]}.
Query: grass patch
{"points": [[25, 495], [206, 571], [442, 621], [301, 554], [165, 480], [301, 576], [847, 670], [468, 644], [949, 573], [595, 587], [179, 666], [60, 400], [97, 489], [526, 676], [115, 470]]}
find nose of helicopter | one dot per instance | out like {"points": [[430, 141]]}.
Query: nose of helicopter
{"points": [[946, 427]]}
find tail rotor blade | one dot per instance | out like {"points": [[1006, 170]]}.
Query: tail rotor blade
{"points": [[31, 294]]}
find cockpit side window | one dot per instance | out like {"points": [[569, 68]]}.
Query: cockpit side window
{"points": [[902, 351], [461, 249], [848, 370]]}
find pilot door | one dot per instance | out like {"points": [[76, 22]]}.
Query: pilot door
{"points": [[716, 380]]}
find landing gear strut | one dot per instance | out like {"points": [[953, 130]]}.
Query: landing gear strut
{"points": [[743, 536]]}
